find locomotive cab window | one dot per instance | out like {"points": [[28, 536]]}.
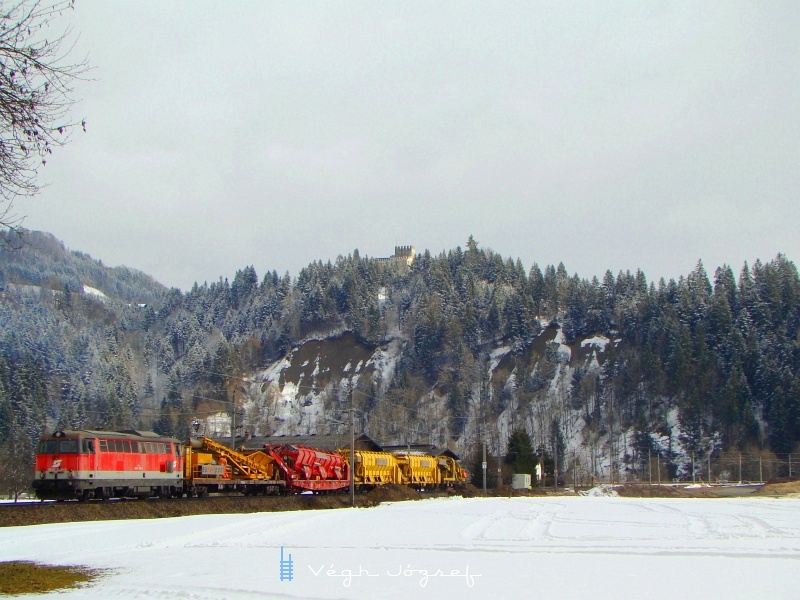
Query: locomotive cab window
{"points": [[48, 447], [88, 446], [68, 446], [103, 445]]}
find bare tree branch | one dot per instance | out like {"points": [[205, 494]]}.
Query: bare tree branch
{"points": [[36, 86]]}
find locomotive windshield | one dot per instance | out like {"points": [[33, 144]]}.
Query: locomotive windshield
{"points": [[58, 447]]}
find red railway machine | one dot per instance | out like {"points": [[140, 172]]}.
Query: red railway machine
{"points": [[310, 469], [85, 464]]}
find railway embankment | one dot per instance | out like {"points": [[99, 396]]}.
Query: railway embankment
{"points": [[38, 513]]}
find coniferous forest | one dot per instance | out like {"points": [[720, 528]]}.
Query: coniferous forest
{"points": [[705, 364]]}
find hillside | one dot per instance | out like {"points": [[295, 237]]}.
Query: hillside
{"points": [[620, 379], [38, 259], [308, 392]]}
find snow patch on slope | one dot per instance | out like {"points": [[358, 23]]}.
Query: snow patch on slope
{"points": [[563, 349], [384, 361], [90, 291], [496, 356], [598, 342]]}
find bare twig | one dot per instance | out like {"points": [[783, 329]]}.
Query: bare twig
{"points": [[36, 78]]}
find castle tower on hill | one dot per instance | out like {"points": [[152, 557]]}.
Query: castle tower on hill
{"points": [[405, 254], [403, 257]]}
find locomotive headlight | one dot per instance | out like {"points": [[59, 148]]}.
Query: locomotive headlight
{"points": [[41, 474], [69, 474]]}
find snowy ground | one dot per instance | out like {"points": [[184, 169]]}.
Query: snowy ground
{"points": [[567, 547]]}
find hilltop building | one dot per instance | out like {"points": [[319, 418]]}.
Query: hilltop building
{"points": [[403, 257]]}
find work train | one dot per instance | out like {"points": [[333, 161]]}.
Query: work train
{"points": [[87, 465]]}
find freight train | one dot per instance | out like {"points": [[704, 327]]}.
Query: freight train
{"points": [[84, 464]]}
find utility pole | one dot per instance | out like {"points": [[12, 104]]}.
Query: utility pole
{"points": [[650, 467], [694, 479], [658, 467], [233, 422], [574, 472], [709, 468], [352, 449], [155, 383], [483, 467], [611, 437], [499, 467], [555, 465]]}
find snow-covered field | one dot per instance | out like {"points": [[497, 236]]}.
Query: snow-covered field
{"points": [[496, 548]]}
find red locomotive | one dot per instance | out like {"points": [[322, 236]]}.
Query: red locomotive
{"points": [[103, 464]]}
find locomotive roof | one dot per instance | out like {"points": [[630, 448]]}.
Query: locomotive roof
{"points": [[132, 434]]}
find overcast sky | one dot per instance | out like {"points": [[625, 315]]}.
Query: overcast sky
{"points": [[607, 135]]}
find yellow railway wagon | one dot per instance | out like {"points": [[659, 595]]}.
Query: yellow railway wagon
{"points": [[374, 468], [419, 471], [213, 467]]}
